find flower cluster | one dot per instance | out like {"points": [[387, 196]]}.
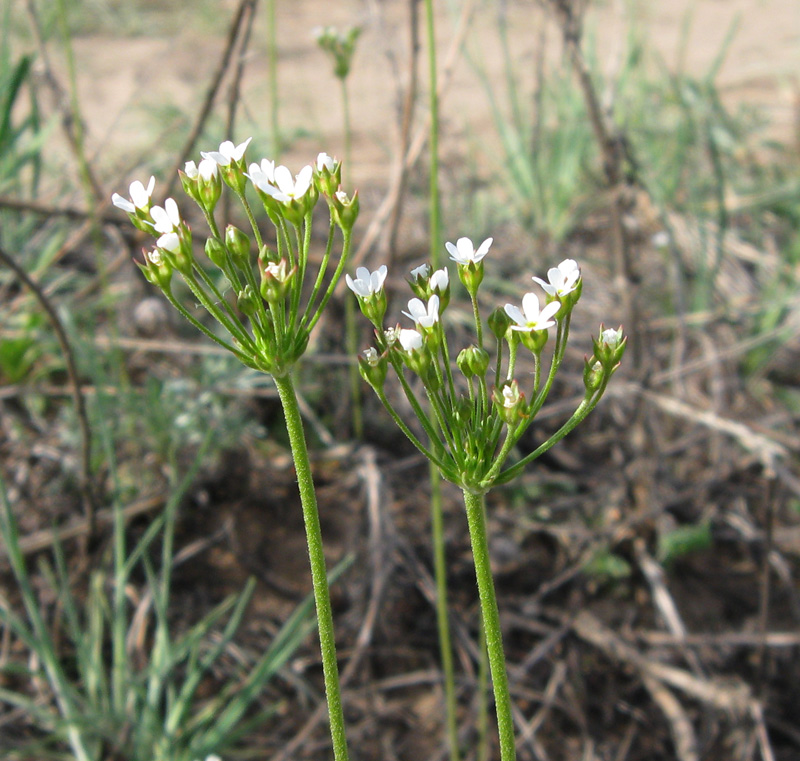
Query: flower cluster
{"points": [[339, 45], [473, 424], [269, 323]]}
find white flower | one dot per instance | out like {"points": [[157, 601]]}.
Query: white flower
{"points": [[530, 317], [371, 356], [227, 152], [168, 219], [424, 317], [154, 257], [510, 396], [463, 252], [324, 161], [140, 196], [409, 339], [288, 188], [563, 279], [611, 337], [440, 280], [423, 272], [263, 173], [169, 242], [367, 283]]}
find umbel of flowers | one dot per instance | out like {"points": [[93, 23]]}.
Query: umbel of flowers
{"points": [[473, 423], [267, 323]]}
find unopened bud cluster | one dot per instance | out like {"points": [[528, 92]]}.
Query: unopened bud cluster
{"points": [[473, 422], [269, 320]]}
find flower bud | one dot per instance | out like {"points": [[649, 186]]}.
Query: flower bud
{"points": [[609, 347], [216, 253], [156, 269], [510, 402], [344, 210], [373, 367], [246, 301], [238, 244], [473, 361], [418, 280], [499, 322], [592, 374], [276, 280], [327, 175]]}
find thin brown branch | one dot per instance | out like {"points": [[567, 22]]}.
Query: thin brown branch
{"points": [[211, 94], [85, 473]]}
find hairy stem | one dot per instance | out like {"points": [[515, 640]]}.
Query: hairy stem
{"points": [[476, 519], [319, 576]]}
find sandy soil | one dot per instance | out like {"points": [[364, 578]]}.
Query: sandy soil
{"points": [[131, 87]]}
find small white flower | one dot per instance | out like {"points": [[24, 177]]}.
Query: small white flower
{"points": [[168, 219], [169, 242], [367, 283], [139, 195], [423, 272], [611, 337], [190, 170], [660, 239], [409, 339], [227, 152], [287, 188], [263, 173], [510, 396], [563, 279], [324, 161], [371, 356], [440, 279], [424, 317], [154, 257], [463, 252], [530, 317]]}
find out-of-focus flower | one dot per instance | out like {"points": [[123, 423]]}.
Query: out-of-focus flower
{"points": [[410, 340], [227, 153], [367, 283], [562, 279], [463, 252], [139, 196], [167, 219], [425, 317]]}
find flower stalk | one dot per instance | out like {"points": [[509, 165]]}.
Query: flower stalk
{"points": [[473, 432], [268, 328]]}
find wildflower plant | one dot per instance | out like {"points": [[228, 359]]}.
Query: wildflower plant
{"points": [[276, 300], [473, 413]]}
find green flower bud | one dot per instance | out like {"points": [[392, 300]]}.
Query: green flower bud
{"points": [[593, 373], [344, 210], [238, 244], [499, 322], [216, 253], [473, 361], [157, 270], [246, 301], [609, 347]]}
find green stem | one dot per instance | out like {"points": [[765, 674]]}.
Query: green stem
{"points": [[435, 221], [476, 518], [442, 620], [319, 577]]}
